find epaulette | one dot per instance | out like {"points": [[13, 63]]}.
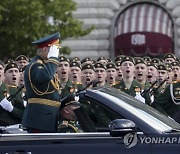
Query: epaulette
{"points": [[176, 81], [78, 82], [115, 83], [11, 86], [40, 61], [137, 89]]}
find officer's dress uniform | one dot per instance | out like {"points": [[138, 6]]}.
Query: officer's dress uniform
{"points": [[42, 93], [169, 101], [14, 117]]}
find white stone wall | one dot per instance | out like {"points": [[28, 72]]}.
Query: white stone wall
{"points": [[101, 14]]}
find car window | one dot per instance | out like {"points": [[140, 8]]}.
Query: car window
{"points": [[140, 107], [99, 115]]}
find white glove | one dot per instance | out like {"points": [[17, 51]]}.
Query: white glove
{"points": [[139, 97], [6, 105], [53, 51]]}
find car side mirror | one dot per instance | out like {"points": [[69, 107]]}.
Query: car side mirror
{"points": [[120, 127]]}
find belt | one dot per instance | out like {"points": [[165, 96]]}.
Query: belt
{"points": [[44, 101]]}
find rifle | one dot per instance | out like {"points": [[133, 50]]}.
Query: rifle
{"points": [[145, 92], [153, 91]]}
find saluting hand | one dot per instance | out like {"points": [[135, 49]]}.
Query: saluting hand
{"points": [[53, 51]]}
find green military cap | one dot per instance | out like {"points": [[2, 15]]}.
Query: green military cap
{"points": [[22, 57], [63, 58], [147, 59], [88, 66], [101, 58], [9, 61], [175, 63], [109, 60], [170, 55], [155, 60], [161, 66], [93, 61], [127, 58], [1, 63], [119, 58], [168, 66], [100, 65], [110, 65], [75, 59], [48, 40], [139, 60], [86, 60], [11, 65], [118, 63], [151, 64], [75, 64]]}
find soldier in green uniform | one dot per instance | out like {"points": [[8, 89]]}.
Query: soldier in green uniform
{"points": [[169, 58], [42, 87], [75, 76], [163, 75], [68, 121], [152, 75], [128, 84], [141, 72], [22, 61], [111, 74], [12, 110], [101, 74], [176, 70], [88, 74], [169, 101], [119, 76]]}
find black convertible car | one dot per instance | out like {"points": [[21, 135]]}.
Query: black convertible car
{"points": [[112, 121]]}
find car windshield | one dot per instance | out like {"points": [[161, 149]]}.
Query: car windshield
{"points": [[141, 110]]}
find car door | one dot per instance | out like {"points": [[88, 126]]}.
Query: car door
{"points": [[96, 143]]}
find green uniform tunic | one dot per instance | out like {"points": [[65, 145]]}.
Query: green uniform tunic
{"points": [[14, 117], [169, 101], [131, 91]]}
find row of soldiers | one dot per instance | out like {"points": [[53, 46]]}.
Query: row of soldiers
{"points": [[143, 78]]}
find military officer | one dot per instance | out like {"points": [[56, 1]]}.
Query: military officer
{"points": [[88, 74], [111, 74], [68, 121], [128, 84], [12, 110], [42, 87], [100, 74], [22, 61], [1, 72]]}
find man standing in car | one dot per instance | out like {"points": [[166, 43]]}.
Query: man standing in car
{"points": [[42, 87]]}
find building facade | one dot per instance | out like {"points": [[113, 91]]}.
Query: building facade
{"points": [[129, 27]]}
